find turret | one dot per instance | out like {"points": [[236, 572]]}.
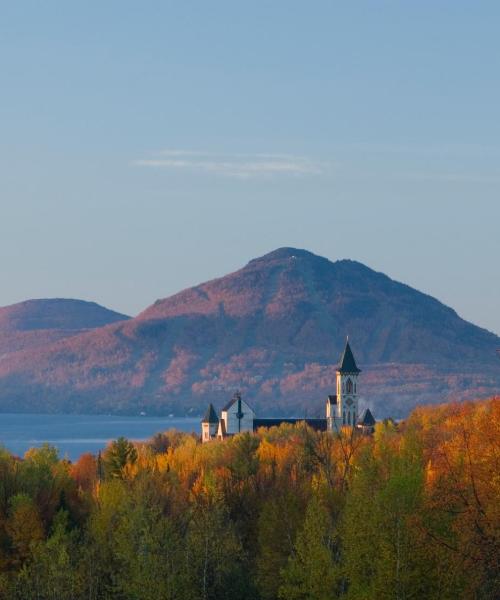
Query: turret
{"points": [[366, 422], [209, 424]]}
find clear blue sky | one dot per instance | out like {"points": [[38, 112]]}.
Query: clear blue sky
{"points": [[149, 146]]}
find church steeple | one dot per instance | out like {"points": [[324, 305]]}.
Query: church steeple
{"points": [[345, 412], [347, 362]]}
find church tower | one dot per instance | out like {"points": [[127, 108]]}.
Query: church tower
{"points": [[342, 408], [209, 424]]}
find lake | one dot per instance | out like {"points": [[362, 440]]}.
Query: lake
{"points": [[75, 434]]}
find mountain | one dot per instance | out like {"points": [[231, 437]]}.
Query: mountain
{"points": [[275, 330], [39, 322]]}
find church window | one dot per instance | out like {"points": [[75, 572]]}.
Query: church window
{"points": [[348, 418], [349, 386], [343, 418]]}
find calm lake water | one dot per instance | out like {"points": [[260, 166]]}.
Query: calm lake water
{"points": [[75, 434]]}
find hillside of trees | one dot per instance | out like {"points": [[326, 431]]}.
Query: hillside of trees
{"points": [[274, 329], [411, 512]]}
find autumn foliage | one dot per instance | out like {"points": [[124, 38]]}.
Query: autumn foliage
{"points": [[287, 513]]}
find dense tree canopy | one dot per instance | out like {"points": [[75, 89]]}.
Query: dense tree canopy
{"points": [[287, 513]]}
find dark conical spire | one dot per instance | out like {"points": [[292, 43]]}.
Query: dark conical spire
{"points": [[366, 419], [210, 415], [347, 362]]}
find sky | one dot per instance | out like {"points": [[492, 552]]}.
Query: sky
{"points": [[149, 146]]}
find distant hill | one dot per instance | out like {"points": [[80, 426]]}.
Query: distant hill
{"points": [[275, 330], [39, 322]]}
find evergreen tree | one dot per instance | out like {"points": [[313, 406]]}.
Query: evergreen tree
{"points": [[118, 455], [311, 573]]}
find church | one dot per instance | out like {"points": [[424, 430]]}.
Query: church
{"points": [[341, 409]]}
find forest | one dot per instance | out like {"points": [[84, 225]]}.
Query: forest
{"points": [[287, 513]]}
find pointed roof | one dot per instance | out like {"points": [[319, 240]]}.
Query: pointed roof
{"points": [[366, 418], [210, 415], [234, 399], [347, 362]]}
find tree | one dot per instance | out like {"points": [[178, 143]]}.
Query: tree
{"points": [[52, 571], [214, 559], [100, 564], [24, 526], [119, 454], [311, 573], [384, 552], [280, 518], [149, 550], [84, 472]]}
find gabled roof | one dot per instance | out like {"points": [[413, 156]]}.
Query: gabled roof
{"points": [[332, 399], [210, 415], [234, 399], [366, 418], [229, 404], [347, 362]]}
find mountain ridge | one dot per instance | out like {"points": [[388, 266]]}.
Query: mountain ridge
{"points": [[41, 321], [275, 329]]}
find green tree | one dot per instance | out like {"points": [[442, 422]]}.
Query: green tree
{"points": [[214, 559], [384, 554], [118, 455], [311, 573], [52, 572], [149, 550], [279, 520]]}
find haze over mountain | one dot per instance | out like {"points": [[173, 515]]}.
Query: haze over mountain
{"points": [[275, 330]]}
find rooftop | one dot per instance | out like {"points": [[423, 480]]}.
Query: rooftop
{"points": [[347, 362], [210, 415]]}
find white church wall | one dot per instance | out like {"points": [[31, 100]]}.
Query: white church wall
{"points": [[235, 425]]}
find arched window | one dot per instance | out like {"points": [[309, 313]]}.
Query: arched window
{"points": [[343, 418], [348, 418], [349, 386], [354, 388]]}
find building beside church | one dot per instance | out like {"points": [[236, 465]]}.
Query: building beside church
{"points": [[341, 409]]}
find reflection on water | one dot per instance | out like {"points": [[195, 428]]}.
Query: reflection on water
{"points": [[75, 434]]}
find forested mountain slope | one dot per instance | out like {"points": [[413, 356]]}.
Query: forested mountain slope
{"points": [[275, 330], [38, 322]]}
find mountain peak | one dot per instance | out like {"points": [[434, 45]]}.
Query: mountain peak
{"points": [[56, 313], [273, 329], [286, 252], [288, 255]]}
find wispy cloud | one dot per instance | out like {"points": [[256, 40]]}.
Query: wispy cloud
{"points": [[233, 165]]}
